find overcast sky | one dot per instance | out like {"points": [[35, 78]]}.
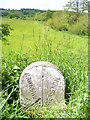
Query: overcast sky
{"points": [[36, 4]]}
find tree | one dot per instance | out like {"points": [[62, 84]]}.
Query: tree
{"points": [[14, 15], [84, 5], [4, 31], [72, 5], [77, 6], [48, 14]]}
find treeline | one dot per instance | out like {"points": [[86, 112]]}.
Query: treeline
{"points": [[22, 13]]}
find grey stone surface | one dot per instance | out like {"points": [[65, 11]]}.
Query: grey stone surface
{"points": [[43, 83]]}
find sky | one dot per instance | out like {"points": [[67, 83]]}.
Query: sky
{"points": [[36, 4]]}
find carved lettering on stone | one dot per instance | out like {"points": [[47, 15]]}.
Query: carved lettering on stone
{"points": [[41, 82]]}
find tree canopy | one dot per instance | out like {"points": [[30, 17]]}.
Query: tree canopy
{"points": [[77, 6]]}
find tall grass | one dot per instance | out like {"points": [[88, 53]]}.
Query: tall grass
{"points": [[71, 59]]}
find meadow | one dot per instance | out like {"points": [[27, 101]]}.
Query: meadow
{"points": [[31, 41]]}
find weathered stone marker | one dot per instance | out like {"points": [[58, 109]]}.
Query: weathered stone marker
{"points": [[43, 83]]}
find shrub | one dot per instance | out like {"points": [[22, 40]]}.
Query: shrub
{"points": [[43, 16], [59, 21], [68, 21], [4, 31], [14, 15], [81, 26]]}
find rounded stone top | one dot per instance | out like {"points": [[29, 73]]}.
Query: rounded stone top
{"points": [[40, 63], [41, 82]]}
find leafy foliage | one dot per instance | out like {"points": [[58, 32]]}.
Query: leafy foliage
{"points": [[4, 31], [20, 13], [43, 16], [69, 21], [81, 26], [14, 15], [59, 21], [77, 6]]}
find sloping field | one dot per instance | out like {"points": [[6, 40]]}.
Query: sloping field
{"points": [[27, 34], [32, 41]]}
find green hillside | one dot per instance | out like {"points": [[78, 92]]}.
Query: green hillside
{"points": [[31, 41]]}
